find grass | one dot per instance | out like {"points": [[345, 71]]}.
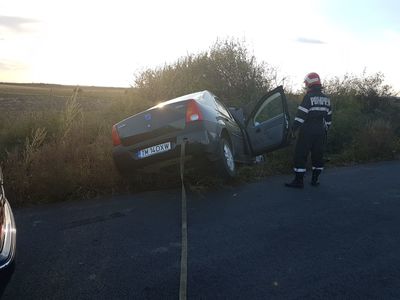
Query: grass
{"points": [[56, 141], [62, 151]]}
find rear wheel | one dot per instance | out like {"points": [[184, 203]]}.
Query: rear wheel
{"points": [[226, 166]]}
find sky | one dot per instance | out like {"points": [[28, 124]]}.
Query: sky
{"points": [[107, 42]]}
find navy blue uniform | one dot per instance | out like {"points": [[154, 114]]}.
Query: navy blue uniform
{"points": [[314, 116]]}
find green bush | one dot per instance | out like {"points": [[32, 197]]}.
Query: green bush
{"points": [[347, 123], [375, 141], [227, 70], [365, 119]]}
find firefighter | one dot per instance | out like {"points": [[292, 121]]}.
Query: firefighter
{"points": [[313, 119]]}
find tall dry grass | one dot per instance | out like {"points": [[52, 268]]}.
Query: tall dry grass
{"points": [[54, 154], [74, 161], [32, 146], [71, 115]]}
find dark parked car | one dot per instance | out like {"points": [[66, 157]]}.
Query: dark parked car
{"points": [[226, 137], [7, 238]]}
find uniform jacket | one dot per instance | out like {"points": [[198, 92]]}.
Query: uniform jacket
{"points": [[315, 108]]}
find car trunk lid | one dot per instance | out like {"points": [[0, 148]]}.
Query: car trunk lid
{"points": [[161, 120]]}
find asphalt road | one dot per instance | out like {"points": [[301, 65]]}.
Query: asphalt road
{"points": [[256, 241]]}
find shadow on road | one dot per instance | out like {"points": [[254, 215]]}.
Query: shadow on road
{"points": [[5, 278]]}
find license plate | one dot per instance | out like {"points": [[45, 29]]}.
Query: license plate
{"points": [[154, 150]]}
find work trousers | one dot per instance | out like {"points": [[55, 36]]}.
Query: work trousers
{"points": [[311, 139]]}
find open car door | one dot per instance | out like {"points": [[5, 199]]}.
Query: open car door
{"points": [[267, 127]]}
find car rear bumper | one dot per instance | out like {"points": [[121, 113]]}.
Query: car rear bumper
{"points": [[8, 248], [199, 144]]}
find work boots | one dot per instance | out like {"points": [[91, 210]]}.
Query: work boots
{"points": [[297, 181], [314, 178]]}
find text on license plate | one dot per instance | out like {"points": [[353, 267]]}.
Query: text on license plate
{"points": [[154, 150]]}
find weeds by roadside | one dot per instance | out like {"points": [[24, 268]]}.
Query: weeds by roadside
{"points": [[58, 154]]}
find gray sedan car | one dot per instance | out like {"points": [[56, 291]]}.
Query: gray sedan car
{"points": [[222, 137]]}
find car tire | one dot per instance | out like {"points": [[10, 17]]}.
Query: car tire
{"points": [[225, 165]]}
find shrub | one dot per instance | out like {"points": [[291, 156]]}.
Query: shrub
{"points": [[348, 120], [375, 141], [360, 104], [227, 70]]}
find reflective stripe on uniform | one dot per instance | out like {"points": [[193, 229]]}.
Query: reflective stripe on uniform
{"points": [[311, 80], [315, 168], [303, 109], [328, 123], [297, 170], [329, 112], [319, 108], [299, 120]]}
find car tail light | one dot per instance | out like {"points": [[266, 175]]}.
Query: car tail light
{"points": [[115, 136], [193, 112]]}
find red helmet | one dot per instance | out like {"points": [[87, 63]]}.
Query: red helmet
{"points": [[312, 79]]}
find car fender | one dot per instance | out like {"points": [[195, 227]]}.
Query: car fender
{"points": [[223, 130]]}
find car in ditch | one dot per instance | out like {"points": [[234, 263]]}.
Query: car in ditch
{"points": [[7, 238], [225, 137]]}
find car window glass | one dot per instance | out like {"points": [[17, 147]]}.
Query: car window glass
{"points": [[209, 100], [271, 108], [222, 109]]}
